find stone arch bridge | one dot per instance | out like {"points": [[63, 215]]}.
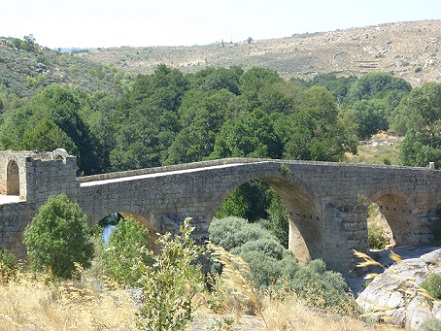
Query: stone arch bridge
{"points": [[327, 202]]}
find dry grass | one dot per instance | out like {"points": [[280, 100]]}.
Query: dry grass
{"points": [[27, 303], [30, 303], [379, 150], [291, 314], [285, 314], [235, 295]]}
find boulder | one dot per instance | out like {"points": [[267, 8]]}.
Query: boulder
{"points": [[393, 295]]}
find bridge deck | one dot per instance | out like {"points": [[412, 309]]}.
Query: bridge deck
{"points": [[153, 175]]}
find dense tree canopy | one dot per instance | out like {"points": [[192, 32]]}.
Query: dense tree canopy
{"points": [[169, 118]]}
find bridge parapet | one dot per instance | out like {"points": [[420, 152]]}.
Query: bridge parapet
{"points": [[176, 167]]}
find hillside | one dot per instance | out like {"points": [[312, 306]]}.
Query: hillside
{"points": [[410, 50], [26, 66]]}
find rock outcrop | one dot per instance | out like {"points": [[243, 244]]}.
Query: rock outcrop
{"points": [[393, 295]]}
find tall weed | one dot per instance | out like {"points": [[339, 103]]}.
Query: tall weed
{"points": [[172, 284]]}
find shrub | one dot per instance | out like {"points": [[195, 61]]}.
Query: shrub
{"points": [[433, 285], [274, 267], [263, 257], [171, 283], [264, 269], [322, 288], [58, 237], [127, 245], [269, 247], [231, 232], [376, 237], [8, 265]]}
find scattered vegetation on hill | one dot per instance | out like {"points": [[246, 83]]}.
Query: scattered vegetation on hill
{"points": [[26, 68], [409, 50]]}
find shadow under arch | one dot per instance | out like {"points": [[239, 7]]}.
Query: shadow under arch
{"points": [[153, 236], [304, 239], [12, 178], [397, 210]]}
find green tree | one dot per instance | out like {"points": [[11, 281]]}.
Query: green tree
{"points": [[252, 136], [58, 237], [60, 105], [277, 220], [377, 85], [254, 79], [127, 246], [316, 131], [418, 148], [29, 43], [47, 136], [370, 117], [419, 117], [137, 139], [212, 79], [250, 201], [419, 110]]}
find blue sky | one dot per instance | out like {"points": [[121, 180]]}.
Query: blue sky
{"points": [[106, 23]]}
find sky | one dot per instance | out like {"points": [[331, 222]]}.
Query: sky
{"points": [[116, 23]]}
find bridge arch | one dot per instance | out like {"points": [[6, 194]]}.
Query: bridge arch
{"points": [[143, 222], [304, 215], [397, 209]]}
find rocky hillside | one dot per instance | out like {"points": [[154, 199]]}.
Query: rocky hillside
{"points": [[410, 50]]}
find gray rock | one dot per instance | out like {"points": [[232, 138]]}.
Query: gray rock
{"points": [[394, 293]]}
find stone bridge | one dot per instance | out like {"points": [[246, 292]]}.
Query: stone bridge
{"points": [[327, 202]]}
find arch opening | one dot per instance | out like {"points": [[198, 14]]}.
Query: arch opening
{"points": [[110, 223], [12, 179], [380, 235], [289, 212], [390, 220]]}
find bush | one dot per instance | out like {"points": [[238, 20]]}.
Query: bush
{"points": [[269, 247], [126, 247], [376, 237], [322, 288], [264, 269], [263, 257], [58, 237], [273, 266], [231, 232], [433, 285], [8, 265]]}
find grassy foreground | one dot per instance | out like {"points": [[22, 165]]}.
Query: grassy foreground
{"points": [[41, 303]]}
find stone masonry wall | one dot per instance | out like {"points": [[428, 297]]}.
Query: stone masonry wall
{"points": [[40, 175]]}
